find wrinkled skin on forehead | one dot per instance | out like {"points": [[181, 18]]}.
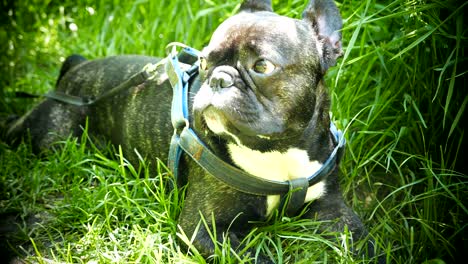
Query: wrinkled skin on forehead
{"points": [[273, 106]]}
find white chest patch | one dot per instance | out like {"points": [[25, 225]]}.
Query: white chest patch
{"points": [[278, 166]]}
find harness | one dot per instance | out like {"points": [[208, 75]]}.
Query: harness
{"points": [[185, 140]]}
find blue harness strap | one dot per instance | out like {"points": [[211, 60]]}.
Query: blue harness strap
{"points": [[179, 110], [185, 140]]}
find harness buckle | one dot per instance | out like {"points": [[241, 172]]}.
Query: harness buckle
{"points": [[294, 199]]}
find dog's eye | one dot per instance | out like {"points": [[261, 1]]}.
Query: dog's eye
{"points": [[263, 66], [203, 64]]}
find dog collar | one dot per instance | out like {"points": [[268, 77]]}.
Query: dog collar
{"points": [[186, 140]]}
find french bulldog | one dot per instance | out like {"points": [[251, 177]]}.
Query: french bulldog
{"points": [[259, 103]]}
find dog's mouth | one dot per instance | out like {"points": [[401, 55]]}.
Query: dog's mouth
{"points": [[237, 121], [215, 121], [220, 122]]}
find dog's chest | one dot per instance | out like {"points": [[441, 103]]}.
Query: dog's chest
{"points": [[278, 166]]}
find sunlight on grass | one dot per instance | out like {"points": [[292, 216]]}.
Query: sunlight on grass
{"points": [[397, 92]]}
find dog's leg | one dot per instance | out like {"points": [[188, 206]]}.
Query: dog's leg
{"points": [[206, 234], [332, 208], [47, 123], [217, 212]]}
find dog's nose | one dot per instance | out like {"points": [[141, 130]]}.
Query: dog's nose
{"points": [[221, 79]]}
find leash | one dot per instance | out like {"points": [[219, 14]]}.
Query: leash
{"points": [[145, 74], [185, 140]]}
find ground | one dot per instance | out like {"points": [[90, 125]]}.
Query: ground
{"points": [[399, 93]]}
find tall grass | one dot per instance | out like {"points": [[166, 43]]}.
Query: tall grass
{"points": [[399, 92]]}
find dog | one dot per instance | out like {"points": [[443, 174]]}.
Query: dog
{"points": [[258, 104]]}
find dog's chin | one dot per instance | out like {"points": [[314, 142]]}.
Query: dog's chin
{"points": [[222, 125], [215, 121]]}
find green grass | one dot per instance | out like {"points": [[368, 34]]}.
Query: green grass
{"points": [[398, 92]]}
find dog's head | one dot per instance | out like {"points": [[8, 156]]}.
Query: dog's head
{"points": [[261, 74]]}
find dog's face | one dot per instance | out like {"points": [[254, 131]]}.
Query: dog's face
{"points": [[259, 77]]}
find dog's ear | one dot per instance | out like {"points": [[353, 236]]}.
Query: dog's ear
{"points": [[256, 5], [326, 21]]}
